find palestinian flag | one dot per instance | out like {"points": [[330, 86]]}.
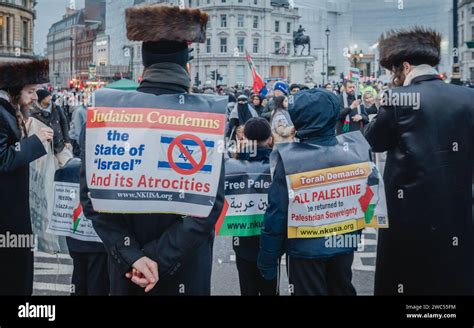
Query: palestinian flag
{"points": [[369, 200], [76, 217], [258, 83], [354, 74]]}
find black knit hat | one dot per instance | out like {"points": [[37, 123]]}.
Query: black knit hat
{"points": [[257, 129], [165, 52], [42, 93]]}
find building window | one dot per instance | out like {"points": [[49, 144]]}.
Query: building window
{"points": [[472, 73], [255, 45], [472, 32], [25, 34], [255, 2], [472, 11], [223, 1], [8, 28], [240, 21], [207, 72], [240, 1], [223, 45], [288, 27], [223, 20], [277, 47], [2, 22], [255, 21], [277, 26], [240, 74], [472, 56], [208, 45], [288, 47], [240, 44]]}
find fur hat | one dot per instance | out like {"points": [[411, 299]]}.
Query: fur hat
{"points": [[417, 46], [165, 23], [19, 74]]}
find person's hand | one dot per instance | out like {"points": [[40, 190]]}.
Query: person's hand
{"points": [[144, 273], [355, 104], [45, 135], [28, 124], [68, 146], [357, 118]]}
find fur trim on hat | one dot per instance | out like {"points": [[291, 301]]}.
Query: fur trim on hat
{"points": [[417, 46], [166, 23], [20, 74]]}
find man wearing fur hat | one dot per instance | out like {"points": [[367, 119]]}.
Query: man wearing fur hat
{"points": [[427, 128], [18, 84], [167, 254]]}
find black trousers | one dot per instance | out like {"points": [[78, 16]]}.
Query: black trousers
{"points": [[16, 272], [251, 281], [90, 276], [322, 277]]}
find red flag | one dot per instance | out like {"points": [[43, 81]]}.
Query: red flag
{"points": [[257, 79]]}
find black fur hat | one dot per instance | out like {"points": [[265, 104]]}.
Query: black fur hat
{"points": [[20, 74], [417, 46], [165, 23]]}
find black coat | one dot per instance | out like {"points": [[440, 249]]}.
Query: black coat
{"points": [[429, 247], [57, 121], [182, 247], [16, 153], [344, 111]]}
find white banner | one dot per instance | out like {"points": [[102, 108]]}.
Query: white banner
{"points": [[68, 218]]}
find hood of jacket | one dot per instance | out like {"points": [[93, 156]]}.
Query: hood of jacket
{"points": [[314, 114]]}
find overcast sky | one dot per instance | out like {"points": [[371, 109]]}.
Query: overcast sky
{"points": [[49, 12]]}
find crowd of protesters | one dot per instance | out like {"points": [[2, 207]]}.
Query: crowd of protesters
{"points": [[429, 162]]}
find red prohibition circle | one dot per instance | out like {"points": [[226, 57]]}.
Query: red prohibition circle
{"points": [[177, 143]]}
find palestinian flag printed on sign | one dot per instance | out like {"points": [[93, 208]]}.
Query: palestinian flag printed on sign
{"points": [[369, 201]]}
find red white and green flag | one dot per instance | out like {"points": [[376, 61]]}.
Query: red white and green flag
{"points": [[258, 83], [370, 199]]}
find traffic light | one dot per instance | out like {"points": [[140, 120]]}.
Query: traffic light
{"points": [[213, 75], [190, 55]]}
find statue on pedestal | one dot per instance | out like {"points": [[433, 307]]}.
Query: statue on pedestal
{"points": [[299, 39]]}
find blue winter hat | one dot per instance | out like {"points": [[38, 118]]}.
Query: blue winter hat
{"points": [[281, 86]]}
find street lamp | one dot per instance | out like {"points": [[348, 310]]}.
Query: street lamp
{"points": [[324, 66], [130, 54], [198, 81], [70, 61], [355, 57], [328, 33]]}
